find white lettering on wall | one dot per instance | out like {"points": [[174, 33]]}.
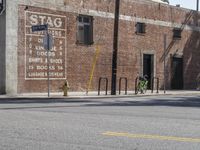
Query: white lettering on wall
{"points": [[35, 54], [53, 22]]}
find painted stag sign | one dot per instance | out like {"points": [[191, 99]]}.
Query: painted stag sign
{"points": [[36, 55]]}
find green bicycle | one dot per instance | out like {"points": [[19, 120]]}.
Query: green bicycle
{"points": [[142, 85]]}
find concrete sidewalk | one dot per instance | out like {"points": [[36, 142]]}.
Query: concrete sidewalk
{"points": [[80, 95]]}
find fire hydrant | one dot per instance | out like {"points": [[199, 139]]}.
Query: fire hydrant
{"points": [[65, 88]]}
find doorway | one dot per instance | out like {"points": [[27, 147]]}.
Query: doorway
{"points": [[148, 67], [177, 73]]}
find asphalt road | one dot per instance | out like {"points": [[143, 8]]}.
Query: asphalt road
{"points": [[139, 123]]}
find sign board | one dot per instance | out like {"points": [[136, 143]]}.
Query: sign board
{"points": [[48, 42], [39, 27], [35, 55]]}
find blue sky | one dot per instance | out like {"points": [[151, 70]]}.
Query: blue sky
{"points": [[191, 4]]}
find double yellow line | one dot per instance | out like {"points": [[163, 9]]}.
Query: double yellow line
{"points": [[154, 137]]}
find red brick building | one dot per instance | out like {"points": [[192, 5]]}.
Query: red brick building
{"points": [[79, 27]]}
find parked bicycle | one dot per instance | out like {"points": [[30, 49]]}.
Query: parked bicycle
{"points": [[142, 84]]}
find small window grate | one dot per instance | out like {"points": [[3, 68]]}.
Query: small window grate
{"points": [[177, 33], [140, 28]]}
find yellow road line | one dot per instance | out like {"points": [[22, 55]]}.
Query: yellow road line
{"points": [[155, 137]]}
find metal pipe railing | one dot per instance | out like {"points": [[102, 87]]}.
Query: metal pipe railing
{"points": [[99, 86], [152, 84], [126, 84], [136, 85]]}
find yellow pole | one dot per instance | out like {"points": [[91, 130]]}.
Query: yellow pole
{"points": [[93, 67]]}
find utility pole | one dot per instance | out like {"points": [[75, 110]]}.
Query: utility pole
{"points": [[197, 5], [115, 48]]}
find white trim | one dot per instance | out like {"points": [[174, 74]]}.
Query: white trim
{"points": [[135, 19], [109, 15]]}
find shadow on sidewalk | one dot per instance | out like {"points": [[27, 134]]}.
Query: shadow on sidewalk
{"points": [[192, 101], [41, 100], [172, 102]]}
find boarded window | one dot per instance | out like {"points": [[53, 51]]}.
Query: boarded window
{"points": [[85, 30]]}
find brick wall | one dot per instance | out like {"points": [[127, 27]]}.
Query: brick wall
{"points": [[159, 18]]}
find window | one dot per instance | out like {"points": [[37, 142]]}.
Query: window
{"points": [[85, 30], [177, 33], [140, 28]]}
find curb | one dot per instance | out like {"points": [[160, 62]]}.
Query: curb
{"points": [[18, 97]]}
